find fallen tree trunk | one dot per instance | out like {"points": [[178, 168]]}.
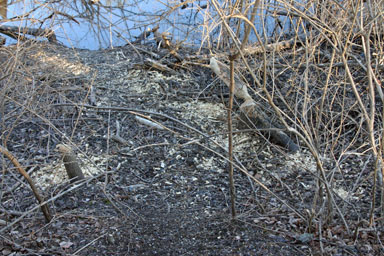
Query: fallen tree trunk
{"points": [[15, 32], [253, 116], [251, 113]]}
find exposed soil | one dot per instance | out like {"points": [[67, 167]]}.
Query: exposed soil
{"points": [[160, 191]]}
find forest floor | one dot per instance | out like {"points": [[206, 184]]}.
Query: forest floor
{"points": [[149, 190]]}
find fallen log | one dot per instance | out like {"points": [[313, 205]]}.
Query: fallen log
{"points": [[16, 33], [251, 113], [275, 47], [253, 116]]}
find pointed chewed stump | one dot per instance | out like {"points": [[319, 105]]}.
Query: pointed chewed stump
{"points": [[71, 163]]}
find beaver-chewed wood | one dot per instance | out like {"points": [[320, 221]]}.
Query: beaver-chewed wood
{"points": [[250, 112], [71, 164], [254, 117]]}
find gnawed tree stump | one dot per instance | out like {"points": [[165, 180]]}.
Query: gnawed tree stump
{"points": [[251, 113], [71, 163]]}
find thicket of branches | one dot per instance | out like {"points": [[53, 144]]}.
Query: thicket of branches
{"points": [[318, 65]]}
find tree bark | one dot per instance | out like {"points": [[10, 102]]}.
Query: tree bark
{"points": [[71, 163]]}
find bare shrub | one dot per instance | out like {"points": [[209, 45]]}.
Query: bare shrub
{"points": [[313, 67]]}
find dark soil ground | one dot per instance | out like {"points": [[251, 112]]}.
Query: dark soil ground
{"points": [[157, 191]]}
